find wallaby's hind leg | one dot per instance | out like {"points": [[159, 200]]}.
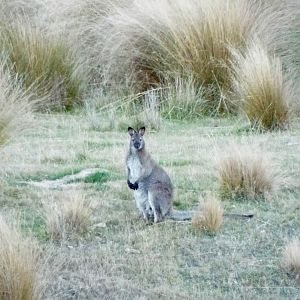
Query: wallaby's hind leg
{"points": [[160, 202], [142, 203], [152, 197]]}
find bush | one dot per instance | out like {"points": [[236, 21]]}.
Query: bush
{"points": [[43, 62], [16, 108], [210, 216], [245, 175], [153, 44], [70, 217], [261, 87], [291, 257], [19, 266]]}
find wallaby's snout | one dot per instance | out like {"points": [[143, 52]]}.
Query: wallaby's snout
{"points": [[136, 145], [137, 141]]}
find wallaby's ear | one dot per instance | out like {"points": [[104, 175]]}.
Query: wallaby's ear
{"points": [[131, 131], [142, 131]]}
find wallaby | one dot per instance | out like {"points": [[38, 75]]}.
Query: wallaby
{"points": [[153, 190]]}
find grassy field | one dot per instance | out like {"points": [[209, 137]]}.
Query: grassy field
{"points": [[121, 257], [216, 83]]}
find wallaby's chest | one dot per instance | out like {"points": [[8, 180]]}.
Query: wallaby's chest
{"points": [[135, 167]]}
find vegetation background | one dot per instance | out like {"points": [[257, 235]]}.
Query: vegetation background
{"points": [[217, 85]]}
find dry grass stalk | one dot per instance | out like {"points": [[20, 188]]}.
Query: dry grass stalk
{"points": [[209, 218], [291, 257], [19, 266], [245, 175]]}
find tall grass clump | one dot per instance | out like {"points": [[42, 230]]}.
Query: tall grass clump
{"points": [[209, 217], [72, 216], [182, 99], [19, 266], [291, 257], [151, 44], [245, 175], [264, 94], [45, 62], [15, 105]]}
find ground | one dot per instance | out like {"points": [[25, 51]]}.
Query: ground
{"points": [[121, 257]]}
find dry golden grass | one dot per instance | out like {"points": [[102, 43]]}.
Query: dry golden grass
{"points": [[210, 216], [263, 92], [19, 265], [243, 174], [291, 257], [152, 44], [72, 216], [44, 62], [16, 109]]}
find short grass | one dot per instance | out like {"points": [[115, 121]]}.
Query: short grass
{"points": [[119, 256]]}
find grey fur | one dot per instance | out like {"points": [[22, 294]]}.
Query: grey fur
{"points": [[154, 194]]}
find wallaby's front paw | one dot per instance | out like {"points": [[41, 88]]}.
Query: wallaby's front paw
{"points": [[133, 186]]}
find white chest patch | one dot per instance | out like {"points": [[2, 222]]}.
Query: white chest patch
{"points": [[135, 168]]}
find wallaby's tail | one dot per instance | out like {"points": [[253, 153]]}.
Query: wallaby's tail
{"points": [[180, 215], [239, 215], [184, 215]]}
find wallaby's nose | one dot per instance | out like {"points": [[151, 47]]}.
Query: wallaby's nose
{"points": [[136, 145]]}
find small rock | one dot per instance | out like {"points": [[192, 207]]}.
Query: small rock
{"points": [[132, 251], [100, 225]]}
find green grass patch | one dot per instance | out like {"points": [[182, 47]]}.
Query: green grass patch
{"points": [[180, 205], [33, 223], [98, 177], [176, 163], [40, 176]]}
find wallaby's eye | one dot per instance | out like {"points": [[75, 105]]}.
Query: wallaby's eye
{"points": [[140, 139]]}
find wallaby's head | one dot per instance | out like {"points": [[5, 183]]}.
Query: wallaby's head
{"points": [[136, 138]]}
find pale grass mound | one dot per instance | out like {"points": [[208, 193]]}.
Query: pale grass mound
{"points": [[245, 174], [45, 63], [16, 109], [151, 44], [291, 257], [209, 218], [263, 92], [19, 266], [71, 216]]}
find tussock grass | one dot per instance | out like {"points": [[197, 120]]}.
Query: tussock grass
{"points": [[16, 108], [210, 216], [151, 44], [260, 84], [182, 100], [150, 115], [72, 216], [19, 266], [291, 257], [243, 174], [43, 62]]}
